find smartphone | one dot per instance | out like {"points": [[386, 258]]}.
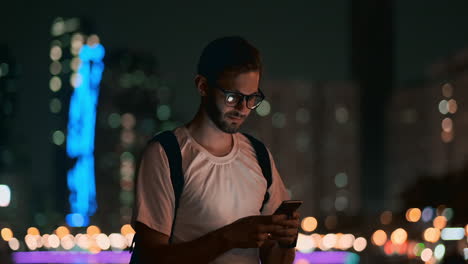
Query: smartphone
{"points": [[288, 207]]}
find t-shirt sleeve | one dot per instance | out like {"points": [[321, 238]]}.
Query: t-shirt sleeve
{"points": [[277, 190], [154, 202]]}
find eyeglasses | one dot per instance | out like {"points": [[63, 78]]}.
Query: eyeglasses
{"points": [[233, 98]]}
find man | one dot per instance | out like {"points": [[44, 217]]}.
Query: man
{"points": [[218, 219]]}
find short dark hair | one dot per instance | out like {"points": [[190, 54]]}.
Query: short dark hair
{"points": [[231, 54]]}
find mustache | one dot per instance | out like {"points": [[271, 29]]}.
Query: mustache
{"points": [[235, 114]]}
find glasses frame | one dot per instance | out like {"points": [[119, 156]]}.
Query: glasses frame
{"points": [[243, 96]]}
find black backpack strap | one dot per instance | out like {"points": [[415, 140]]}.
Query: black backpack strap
{"points": [[171, 147], [264, 161], [168, 141]]}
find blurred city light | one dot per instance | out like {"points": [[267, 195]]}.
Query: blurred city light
{"points": [[379, 238], [341, 180], [452, 106], [81, 130], [93, 230], [439, 251], [14, 244], [386, 217], [431, 234], [305, 243], [5, 195], [309, 224], [427, 214], [447, 90], [360, 244], [413, 214], [440, 222], [264, 108], [399, 236], [55, 84], [33, 231], [329, 241], [426, 254], [163, 112], [127, 229], [7, 234], [443, 107], [62, 231], [453, 233]]}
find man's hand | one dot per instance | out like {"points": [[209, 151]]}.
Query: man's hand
{"points": [[252, 231], [289, 230]]}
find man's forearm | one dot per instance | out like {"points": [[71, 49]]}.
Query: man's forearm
{"points": [[199, 251]]}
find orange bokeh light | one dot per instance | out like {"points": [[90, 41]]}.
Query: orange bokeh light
{"points": [[379, 238]]}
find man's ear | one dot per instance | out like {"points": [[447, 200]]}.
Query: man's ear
{"points": [[202, 85]]}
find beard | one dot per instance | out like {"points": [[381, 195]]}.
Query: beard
{"points": [[220, 119]]}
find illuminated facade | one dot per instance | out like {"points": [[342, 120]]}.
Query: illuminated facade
{"points": [[76, 68]]}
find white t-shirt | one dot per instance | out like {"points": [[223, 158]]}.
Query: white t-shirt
{"points": [[217, 192]]}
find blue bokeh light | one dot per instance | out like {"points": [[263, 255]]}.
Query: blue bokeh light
{"points": [[80, 136]]}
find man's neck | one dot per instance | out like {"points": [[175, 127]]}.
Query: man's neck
{"points": [[207, 134]]}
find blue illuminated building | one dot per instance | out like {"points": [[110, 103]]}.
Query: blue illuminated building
{"points": [[80, 136]]}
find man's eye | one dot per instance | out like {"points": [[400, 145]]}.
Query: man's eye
{"points": [[231, 98]]}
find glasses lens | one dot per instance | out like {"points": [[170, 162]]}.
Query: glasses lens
{"points": [[254, 101], [232, 99]]}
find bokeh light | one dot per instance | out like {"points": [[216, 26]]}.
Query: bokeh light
{"points": [[114, 120], [128, 121], [447, 124], [67, 242], [447, 90], [62, 231], [117, 241], [103, 241], [426, 254], [431, 234], [399, 236], [163, 112], [127, 229], [360, 244], [439, 251], [14, 244], [418, 248], [341, 180], [264, 108], [93, 230], [440, 222], [58, 137], [329, 241], [54, 241], [413, 214], [55, 53], [443, 107], [448, 213], [309, 224], [386, 217], [379, 238], [305, 243], [427, 214], [55, 84], [33, 231], [345, 241], [447, 137], [452, 106], [7, 234]]}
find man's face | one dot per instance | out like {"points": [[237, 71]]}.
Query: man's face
{"points": [[229, 118]]}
